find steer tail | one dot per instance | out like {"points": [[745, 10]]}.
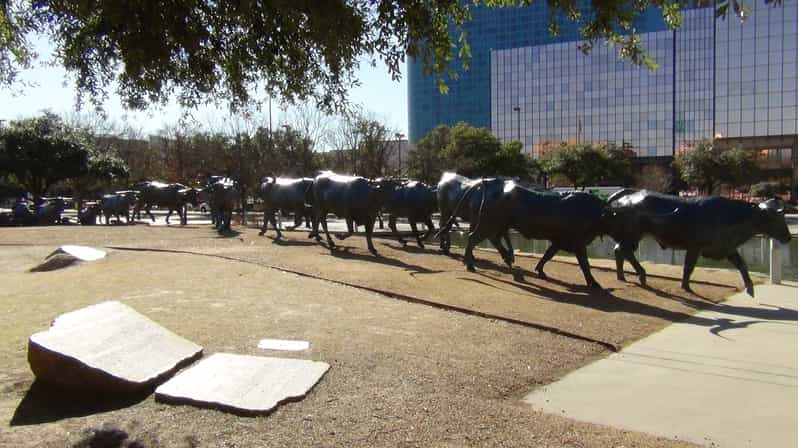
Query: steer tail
{"points": [[446, 227], [481, 207]]}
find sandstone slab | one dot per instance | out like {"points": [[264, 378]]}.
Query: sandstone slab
{"points": [[242, 384], [283, 344], [66, 256], [108, 347], [82, 253]]}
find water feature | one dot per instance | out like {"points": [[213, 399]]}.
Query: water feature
{"points": [[755, 252]]}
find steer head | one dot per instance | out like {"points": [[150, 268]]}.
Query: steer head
{"points": [[770, 220]]}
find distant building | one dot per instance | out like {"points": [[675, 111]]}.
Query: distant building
{"points": [[718, 78]]}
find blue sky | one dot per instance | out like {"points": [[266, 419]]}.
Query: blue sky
{"points": [[52, 90]]}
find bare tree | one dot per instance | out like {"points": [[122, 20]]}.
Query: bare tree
{"points": [[310, 122]]}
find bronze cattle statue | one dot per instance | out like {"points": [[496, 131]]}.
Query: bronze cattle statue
{"points": [[570, 221], [712, 227], [413, 200], [283, 194], [352, 198]]}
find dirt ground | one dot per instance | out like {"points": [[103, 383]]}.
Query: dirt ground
{"points": [[422, 353]]}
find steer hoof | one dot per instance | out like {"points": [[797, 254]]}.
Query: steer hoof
{"points": [[543, 275], [750, 290], [470, 269]]}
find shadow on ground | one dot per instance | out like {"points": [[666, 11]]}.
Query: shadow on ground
{"points": [[44, 403]]}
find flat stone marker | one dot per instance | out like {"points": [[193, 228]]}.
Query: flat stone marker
{"points": [[283, 344], [242, 384], [68, 255], [108, 347], [82, 253]]}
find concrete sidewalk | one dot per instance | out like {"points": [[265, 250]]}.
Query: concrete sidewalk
{"points": [[726, 377]]}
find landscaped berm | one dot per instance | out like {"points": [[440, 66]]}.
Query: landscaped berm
{"points": [[420, 352]]}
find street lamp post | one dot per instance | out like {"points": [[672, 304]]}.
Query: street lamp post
{"points": [[399, 136], [518, 109]]}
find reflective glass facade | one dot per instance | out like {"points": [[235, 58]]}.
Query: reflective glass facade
{"points": [[756, 89], [469, 97], [559, 94], [716, 77]]}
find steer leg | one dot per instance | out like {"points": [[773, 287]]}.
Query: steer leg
{"points": [[147, 210], [392, 226], [619, 259], [430, 228], [297, 220], [550, 252], [168, 215], [273, 219], [689, 264], [419, 237], [330, 243], [474, 238], [497, 244], [738, 262], [369, 232], [584, 265], [510, 253], [626, 252], [469, 253], [350, 227], [445, 241], [265, 225]]}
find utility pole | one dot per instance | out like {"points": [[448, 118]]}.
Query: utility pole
{"points": [[518, 109]]}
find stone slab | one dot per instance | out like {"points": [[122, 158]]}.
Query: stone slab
{"points": [[283, 344], [242, 384], [108, 347], [68, 255], [727, 377], [82, 253]]}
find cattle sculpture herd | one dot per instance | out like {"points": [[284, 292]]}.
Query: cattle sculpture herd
{"points": [[712, 227]]}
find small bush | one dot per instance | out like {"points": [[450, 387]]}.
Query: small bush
{"points": [[768, 189]]}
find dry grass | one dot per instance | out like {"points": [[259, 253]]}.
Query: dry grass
{"points": [[403, 374]]}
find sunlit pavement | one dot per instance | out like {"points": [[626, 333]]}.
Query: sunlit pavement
{"points": [[728, 376]]}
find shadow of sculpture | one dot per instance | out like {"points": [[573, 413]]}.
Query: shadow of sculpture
{"points": [[44, 403]]}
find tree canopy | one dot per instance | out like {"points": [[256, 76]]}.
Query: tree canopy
{"points": [[585, 164], [707, 167], [470, 151], [202, 51], [425, 162], [38, 152]]}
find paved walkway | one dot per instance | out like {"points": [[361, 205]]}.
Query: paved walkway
{"points": [[726, 377]]}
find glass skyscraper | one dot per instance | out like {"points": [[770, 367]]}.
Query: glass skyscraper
{"points": [[717, 78]]}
